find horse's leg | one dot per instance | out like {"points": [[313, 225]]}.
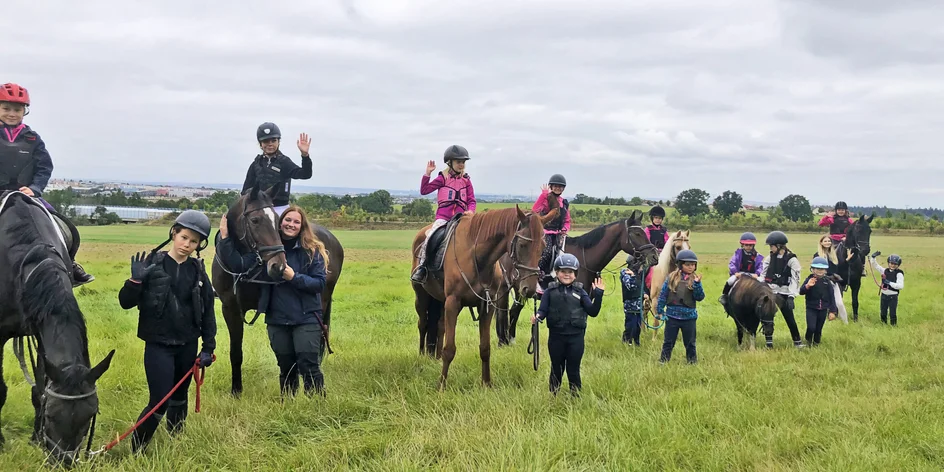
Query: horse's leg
{"points": [[740, 333], [36, 395], [485, 344], [421, 305], [234, 323], [856, 284], [513, 313], [450, 315], [3, 391], [434, 313]]}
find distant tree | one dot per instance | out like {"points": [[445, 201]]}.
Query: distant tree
{"points": [[635, 201], [796, 208], [61, 200], [692, 202], [728, 203], [419, 207], [379, 202], [103, 217]]}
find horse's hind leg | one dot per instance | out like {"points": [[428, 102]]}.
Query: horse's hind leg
{"points": [[485, 344], [421, 305], [856, 284], [501, 320], [513, 313], [434, 313]]}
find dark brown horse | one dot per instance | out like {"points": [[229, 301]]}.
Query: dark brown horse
{"points": [[470, 279], [594, 249], [253, 224], [857, 242], [751, 303]]}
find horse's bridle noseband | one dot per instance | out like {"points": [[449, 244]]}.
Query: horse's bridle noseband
{"points": [[263, 253], [54, 446]]}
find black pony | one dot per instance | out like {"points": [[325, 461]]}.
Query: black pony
{"points": [[36, 287], [751, 302], [852, 271]]}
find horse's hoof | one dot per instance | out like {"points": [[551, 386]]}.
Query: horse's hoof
{"points": [[236, 392]]}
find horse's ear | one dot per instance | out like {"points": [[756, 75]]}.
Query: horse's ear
{"points": [[271, 191], [633, 218], [550, 216], [100, 369], [521, 216], [869, 219]]}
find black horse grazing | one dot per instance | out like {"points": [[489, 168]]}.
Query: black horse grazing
{"points": [[594, 249], [36, 289], [857, 243], [253, 224], [750, 303]]}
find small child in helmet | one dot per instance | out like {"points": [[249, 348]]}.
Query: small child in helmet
{"points": [[272, 168], [681, 292], [565, 304], [658, 235], [25, 164], [820, 300], [455, 196], [175, 302], [555, 230], [745, 260], [781, 272], [631, 278], [893, 281]]}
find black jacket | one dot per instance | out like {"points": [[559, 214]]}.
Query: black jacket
{"points": [[566, 307], [278, 171], [175, 303]]}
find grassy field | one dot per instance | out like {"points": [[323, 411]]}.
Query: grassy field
{"points": [[868, 399]]}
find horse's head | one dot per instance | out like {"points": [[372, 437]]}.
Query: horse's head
{"points": [[859, 234], [526, 247], [255, 223], [634, 241], [69, 405], [678, 241], [766, 306]]}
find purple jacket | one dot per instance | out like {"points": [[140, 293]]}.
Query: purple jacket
{"points": [[735, 263]]}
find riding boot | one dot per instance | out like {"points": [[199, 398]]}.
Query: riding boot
{"points": [[142, 436], [419, 274], [310, 370], [798, 344], [855, 317], [288, 375], [80, 276], [176, 415]]}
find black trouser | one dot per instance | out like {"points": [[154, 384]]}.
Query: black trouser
{"points": [[298, 352], [551, 242], [672, 328], [566, 351], [632, 328], [815, 319], [164, 366], [890, 307], [785, 304]]}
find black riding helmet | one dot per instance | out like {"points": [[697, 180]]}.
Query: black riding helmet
{"points": [[557, 179], [196, 221], [841, 205], [776, 238], [268, 130], [455, 152], [657, 211]]}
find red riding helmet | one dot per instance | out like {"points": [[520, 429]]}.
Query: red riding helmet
{"points": [[14, 93]]}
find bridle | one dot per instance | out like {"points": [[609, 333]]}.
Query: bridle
{"points": [[263, 253]]}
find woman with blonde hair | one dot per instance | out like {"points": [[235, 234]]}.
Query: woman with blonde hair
{"points": [[827, 250]]}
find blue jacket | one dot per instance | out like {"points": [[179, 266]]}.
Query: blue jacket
{"points": [[679, 312], [292, 302]]}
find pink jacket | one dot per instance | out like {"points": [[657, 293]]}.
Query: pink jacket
{"points": [[455, 194], [541, 207]]}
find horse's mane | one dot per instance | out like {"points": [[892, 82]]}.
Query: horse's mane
{"points": [[493, 223], [592, 237], [48, 297], [667, 257], [749, 290]]}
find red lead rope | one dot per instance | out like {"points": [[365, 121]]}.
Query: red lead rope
{"points": [[198, 373]]}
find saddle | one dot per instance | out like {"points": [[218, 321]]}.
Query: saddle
{"points": [[68, 233], [437, 244]]}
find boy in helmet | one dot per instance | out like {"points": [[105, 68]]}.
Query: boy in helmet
{"points": [[455, 195], [274, 169], [565, 304], [175, 302], [893, 281], [782, 274], [744, 261], [555, 231], [657, 233], [820, 300], [25, 164], [681, 292], [631, 279]]}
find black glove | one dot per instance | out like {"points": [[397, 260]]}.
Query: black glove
{"points": [[206, 359], [139, 268], [876, 254]]}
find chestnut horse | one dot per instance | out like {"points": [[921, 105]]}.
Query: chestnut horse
{"points": [[470, 279]]}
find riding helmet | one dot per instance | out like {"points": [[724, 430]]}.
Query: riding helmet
{"points": [[841, 205], [894, 259], [748, 238], [820, 263], [455, 152], [268, 130], [557, 179], [776, 237], [13, 93], [657, 211], [566, 261], [196, 221], [686, 255]]}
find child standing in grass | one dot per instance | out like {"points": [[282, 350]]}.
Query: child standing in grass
{"points": [[893, 280], [631, 279], [820, 300], [680, 293]]}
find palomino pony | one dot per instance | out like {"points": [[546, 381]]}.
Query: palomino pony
{"points": [[678, 241], [253, 223], [36, 287], [750, 303], [594, 250], [857, 239], [469, 275]]}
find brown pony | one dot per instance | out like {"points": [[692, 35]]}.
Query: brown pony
{"points": [[470, 277]]}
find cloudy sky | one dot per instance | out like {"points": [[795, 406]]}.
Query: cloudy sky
{"points": [[831, 99]]}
